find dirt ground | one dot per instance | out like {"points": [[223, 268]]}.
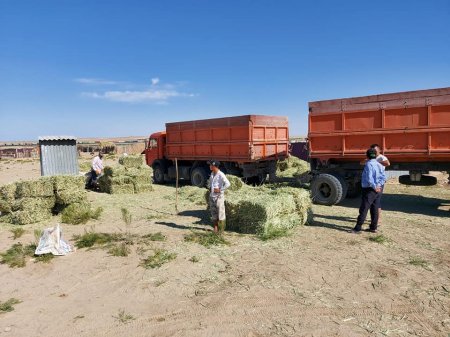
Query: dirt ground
{"points": [[320, 281]]}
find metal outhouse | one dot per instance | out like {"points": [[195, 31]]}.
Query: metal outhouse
{"points": [[58, 155]]}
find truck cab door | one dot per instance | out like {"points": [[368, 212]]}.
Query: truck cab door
{"points": [[151, 152]]}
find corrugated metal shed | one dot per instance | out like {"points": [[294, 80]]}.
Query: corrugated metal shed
{"points": [[58, 155]]}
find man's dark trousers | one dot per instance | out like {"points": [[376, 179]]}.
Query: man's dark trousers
{"points": [[368, 201]]}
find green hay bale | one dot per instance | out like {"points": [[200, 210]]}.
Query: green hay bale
{"points": [[42, 187], [139, 175], [259, 210], [142, 188], [28, 217], [66, 182], [5, 207], [34, 204], [114, 171], [122, 189], [235, 183], [6, 218], [8, 192], [131, 161], [67, 197]]}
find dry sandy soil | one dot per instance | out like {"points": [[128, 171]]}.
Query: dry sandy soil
{"points": [[320, 281]]}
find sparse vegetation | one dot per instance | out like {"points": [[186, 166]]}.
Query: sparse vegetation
{"points": [[9, 305], [126, 216], [17, 254], [123, 317], [120, 249], [17, 232], [380, 238], [91, 238], [44, 258], [418, 261], [194, 259], [206, 239], [156, 260], [155, 236]]}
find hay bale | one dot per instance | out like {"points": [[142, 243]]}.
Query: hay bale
{"points": [[114, 171], [142, 188], [67, 197], [42, 187], [141, 175], [79, 213], [8, 192], [235, 183], [122, 189], [34, 204], [131, 161], [6, 218], [27, 217], [256, 210], [69, 189], [5, 206]]}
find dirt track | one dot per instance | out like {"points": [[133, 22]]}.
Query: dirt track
{"points": [[321, 281]]}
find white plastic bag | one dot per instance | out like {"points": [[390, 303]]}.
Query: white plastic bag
{"points": [[51, 242]]}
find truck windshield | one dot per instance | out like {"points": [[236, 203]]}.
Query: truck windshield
{"points": [[153, 143]]}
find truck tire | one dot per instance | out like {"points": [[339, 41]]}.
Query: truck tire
{"points": [[424, 181], [199, 177], [158, 174], [343, 184], [326, 189]]}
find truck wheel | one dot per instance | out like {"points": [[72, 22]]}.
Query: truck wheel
{"points": [[326, 189], [343, 184], [158, 175], [199, 177], [424, 181]]}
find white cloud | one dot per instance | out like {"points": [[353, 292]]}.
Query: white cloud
{"points": [[150, 95], [155, 81], [95, 81]]}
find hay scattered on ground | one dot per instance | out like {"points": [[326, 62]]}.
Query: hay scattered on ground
{"points": [[80, 213], [193, 194]]}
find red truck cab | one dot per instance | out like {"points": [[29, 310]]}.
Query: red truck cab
{"points": [[155, 147]]}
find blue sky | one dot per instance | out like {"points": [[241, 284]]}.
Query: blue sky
{"points": [[118, 68]]}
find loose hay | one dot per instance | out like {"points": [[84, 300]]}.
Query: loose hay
{"points": [[235, 183], [79, 213], [194, 195], [131, 161], [291, 167]]}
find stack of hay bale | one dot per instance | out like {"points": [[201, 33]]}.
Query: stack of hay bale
{"points": [[130, 176], [32, 201], [259, 210]]}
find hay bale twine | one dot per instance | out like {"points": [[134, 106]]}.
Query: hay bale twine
{"points": [[131, 161]]}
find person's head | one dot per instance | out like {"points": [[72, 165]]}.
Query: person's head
{"points": [[376, 147], [100, 154], [371, 154], [214, 165]]}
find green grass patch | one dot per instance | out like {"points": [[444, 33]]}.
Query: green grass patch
{"points": [[155, 236], [380, 238], [17, 254], [123, 317], [120, 249], [206, 239], [8, 306], [44, 258], [89, 239], [80, 213], [17, 232], [156, 260]]}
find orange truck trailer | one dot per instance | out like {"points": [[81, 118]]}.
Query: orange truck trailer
{"points": [[247, 146], [412, 128]]}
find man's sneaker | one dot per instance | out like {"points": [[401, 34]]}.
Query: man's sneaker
{"points": [[354, 231]]}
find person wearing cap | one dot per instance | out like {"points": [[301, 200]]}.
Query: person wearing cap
{"points": [[218, 184], [384, 161], [371, 181], [96, 169]]}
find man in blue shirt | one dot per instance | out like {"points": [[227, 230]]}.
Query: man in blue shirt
{"points": [[372, 180]]}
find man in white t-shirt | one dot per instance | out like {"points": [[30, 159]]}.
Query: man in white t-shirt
{"points": [[384, 161], [96, 169], [218, 184]]}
